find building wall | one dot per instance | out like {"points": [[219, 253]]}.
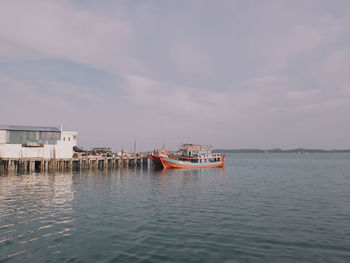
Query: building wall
{"points": [[2, 137], [10, 150], [63, 149], [65, 146]]}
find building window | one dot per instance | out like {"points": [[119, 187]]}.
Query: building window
{"points": [[68, 138], [64, 138], [22, 137]]}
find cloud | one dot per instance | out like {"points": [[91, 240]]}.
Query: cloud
{"points": [[297, 40], [190, 59], [335, 71], [302, 94], [178, 102], [229, 73], [56, 29]]}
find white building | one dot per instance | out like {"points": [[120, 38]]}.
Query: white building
{"points": [[36, 142]]}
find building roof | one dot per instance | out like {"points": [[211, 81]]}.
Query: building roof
{"points": [[28, 128], [195, 147]]}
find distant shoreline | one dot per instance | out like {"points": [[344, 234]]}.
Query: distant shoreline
{"points": [[298, 150]]}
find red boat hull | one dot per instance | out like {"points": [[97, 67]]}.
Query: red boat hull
{"points": [[156, 160]]}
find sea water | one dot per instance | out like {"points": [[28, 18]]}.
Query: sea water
{"points": [[258, 208]]}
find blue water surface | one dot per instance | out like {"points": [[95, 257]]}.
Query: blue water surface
{"points": [[259, 208]]}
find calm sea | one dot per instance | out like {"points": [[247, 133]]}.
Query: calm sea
{"points": [[259, 208]]}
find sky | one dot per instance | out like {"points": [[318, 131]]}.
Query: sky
{"points": [[234, 74]]}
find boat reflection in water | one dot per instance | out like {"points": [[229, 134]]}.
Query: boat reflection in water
{"points": [[195, 172]]}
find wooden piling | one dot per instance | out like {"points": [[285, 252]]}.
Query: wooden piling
{"points": [[86, 162]]}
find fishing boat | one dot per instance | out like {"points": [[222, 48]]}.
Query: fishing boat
{"points": [[193, 156], [155, 157]]}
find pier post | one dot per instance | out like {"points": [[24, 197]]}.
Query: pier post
{"points": [[41, 165], [46, 166], [2, 167], [139, 161], [11, 166], [148, 162], [20, 167], [52, 164], [7, 166], [31, 166], [25, 166]]}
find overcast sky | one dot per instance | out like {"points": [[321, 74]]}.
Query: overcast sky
{"points": [[229, 73]]}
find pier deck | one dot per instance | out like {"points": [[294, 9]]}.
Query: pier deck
{"points": [[84, 162]]}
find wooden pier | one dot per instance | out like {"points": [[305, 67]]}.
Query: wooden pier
{"points": [[89, 162]]}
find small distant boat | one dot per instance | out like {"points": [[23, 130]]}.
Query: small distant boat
{"points": [[193, 156]]}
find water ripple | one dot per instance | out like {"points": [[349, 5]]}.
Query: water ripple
{"points": [[260, 208]]}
